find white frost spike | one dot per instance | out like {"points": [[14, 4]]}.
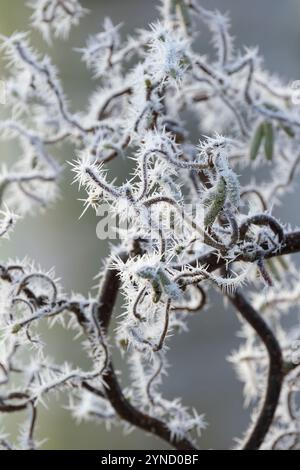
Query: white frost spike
{"points": [[56, 17], [168, 248], [167, 57], [99, 48], [8, 221]]}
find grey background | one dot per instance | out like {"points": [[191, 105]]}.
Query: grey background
{"points": [[200, 372]]}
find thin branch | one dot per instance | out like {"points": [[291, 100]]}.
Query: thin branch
{"points": [[107, 297], [275, 375], [213, 261]]}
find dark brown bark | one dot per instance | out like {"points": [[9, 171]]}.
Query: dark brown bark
{"points": [[107, 297], [213, 261], [275, 375]]}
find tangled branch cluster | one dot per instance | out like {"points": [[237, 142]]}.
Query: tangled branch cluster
{"points": [[138, 113]]}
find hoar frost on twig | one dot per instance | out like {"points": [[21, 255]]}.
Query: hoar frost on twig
{"points": [[136, 112]]}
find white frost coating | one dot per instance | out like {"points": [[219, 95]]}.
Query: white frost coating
{"points": [[182, 199]]}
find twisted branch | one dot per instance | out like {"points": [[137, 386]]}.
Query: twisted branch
{"points": [[275, 375], [107, 298]]}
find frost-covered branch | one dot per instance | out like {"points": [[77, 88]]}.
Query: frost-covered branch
{"points": [[258, 434], [187, 224]]}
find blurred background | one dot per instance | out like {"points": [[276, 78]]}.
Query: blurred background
{"points": [[200, 372]]}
